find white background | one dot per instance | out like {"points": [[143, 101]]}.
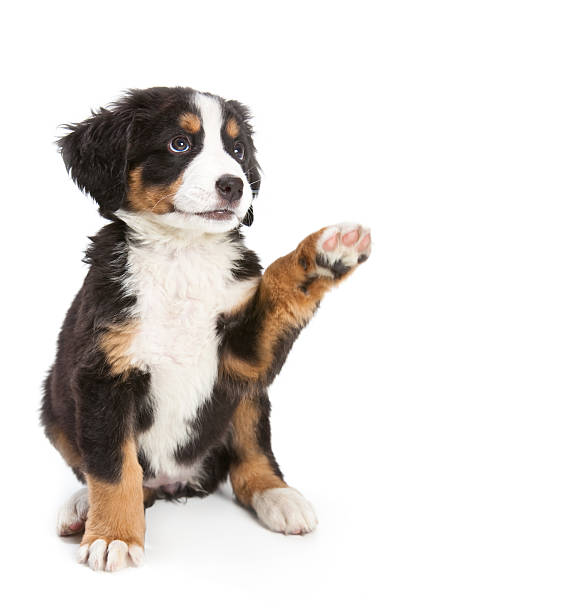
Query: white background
{"points": [[421, 410]]}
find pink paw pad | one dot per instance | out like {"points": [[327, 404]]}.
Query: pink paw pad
{"points": [[331, 243], [342, 247], [77, 526], [351, 238], [364, 243]]}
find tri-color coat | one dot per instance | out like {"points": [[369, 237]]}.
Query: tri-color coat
{"points": [[159, 387]]}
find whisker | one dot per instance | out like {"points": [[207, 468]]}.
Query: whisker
{"points": [[193, 189], [168, 195]]}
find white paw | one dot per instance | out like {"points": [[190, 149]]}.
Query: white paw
{"points": [[72, 515], [112, 557], [341, 247], [285, 510]]}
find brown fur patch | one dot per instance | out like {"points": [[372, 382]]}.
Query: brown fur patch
{"points": [[155, 199], [232, 128], [116, 510], [252, 473], [149, 497], [115, 343], [67, 449], [190, 122], [284, 305], [239, 368]]}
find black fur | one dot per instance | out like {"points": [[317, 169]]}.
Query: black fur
{"points": [[241, 332], [338, 268], [94, 409], [95, 153], [101, 151], [252, 168], [263, 433]]}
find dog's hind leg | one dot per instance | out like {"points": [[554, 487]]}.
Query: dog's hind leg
{"points": [[72, 514]]}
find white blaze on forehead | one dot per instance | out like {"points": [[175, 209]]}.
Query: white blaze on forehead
{"points": [[198, 192], [212, 120], [213, 150]]}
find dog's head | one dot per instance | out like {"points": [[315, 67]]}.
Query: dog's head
{"points": [[183, 158]]}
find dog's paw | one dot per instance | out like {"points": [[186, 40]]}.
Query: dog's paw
{"points": [[112, 556], [72, 515], [285, 510], [340, 248]]}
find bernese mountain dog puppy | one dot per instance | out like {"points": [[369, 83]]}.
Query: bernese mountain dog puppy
{"points": [[159, 387]]}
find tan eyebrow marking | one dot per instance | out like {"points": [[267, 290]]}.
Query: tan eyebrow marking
{"points": [[190, 122], [232, 128]]}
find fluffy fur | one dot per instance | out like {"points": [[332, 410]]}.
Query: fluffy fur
{"points": [[159, 387]]}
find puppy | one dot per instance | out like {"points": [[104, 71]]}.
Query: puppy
{"points": [[159, 387]]}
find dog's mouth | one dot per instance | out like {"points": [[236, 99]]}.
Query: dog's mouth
{"points": [[219, 214]]}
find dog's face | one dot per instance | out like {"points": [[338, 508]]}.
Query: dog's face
{"points": [[180, 157]]}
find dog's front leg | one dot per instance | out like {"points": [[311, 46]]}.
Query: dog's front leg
{"points": [[258, 335], [255, 477], [257, 338], [115, 524]]}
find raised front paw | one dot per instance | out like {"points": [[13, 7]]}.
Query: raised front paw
{"points": [[340, 248], [110, 554]]}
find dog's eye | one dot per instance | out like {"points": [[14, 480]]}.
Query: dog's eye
{"points": [[179, 144], [239, 150]]}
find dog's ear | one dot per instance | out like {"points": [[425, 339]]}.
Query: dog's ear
{"points": [[95, 154]]}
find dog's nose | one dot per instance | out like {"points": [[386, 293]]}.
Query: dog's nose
{"points": [[229, 187]]}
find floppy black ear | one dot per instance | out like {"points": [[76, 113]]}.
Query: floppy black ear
{"points": [[95, 154]]}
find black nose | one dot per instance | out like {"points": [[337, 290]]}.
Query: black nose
{"points": [[229, 187]]}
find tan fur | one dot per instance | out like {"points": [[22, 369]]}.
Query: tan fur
{"points": [[115, 343], [232, 128], [155, 199], [149, 496], [239, 368], [252, 472], [284, 305], [68, 451], [190, 122], [116, 510]]}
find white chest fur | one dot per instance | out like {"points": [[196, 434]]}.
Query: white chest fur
{"points": [[180, 292]]}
